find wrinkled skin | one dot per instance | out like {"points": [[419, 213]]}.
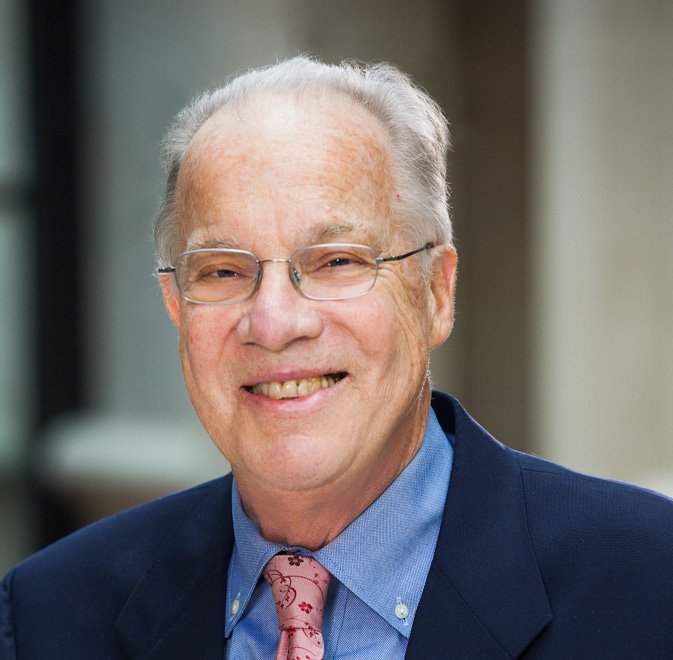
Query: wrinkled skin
{"points": [[285, 177]]}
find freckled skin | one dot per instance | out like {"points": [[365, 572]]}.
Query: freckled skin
{"points": [[270, 184]]}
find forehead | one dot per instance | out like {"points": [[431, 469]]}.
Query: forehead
{"points": [[282, 168]]}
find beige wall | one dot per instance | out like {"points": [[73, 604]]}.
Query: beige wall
{"points": [[602, 100]]}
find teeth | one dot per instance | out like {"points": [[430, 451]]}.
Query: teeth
{"points": [[291, 389], [303, 387]]}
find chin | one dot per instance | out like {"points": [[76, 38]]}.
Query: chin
{"points": [[300, 463]]}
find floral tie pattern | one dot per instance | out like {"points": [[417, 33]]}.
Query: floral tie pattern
{"points": [[299, 586]]}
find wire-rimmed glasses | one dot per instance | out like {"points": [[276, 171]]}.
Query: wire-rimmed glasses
{"points": [[328, 271]]}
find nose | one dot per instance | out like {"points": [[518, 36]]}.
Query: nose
{"points": [[277, 314]]}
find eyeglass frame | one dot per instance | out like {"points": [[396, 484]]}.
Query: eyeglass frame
{"points": [[293, 274]]}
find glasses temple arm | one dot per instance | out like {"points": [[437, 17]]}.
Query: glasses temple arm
{"points": [[427, 246]]}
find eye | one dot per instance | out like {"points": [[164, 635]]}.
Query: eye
{"points": [[339, 261], [334, 261], [221, 273], [217, 271]]}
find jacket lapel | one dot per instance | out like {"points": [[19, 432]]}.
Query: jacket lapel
{"points": [[177, 608], [484, 596]]}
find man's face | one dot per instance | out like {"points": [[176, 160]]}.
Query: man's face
{"points": [[272, 183]]}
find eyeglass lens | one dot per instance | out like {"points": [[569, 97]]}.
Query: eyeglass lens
{"points": [[325, 272]]}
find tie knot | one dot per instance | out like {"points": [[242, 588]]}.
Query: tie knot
{"points": [[299, 586]]}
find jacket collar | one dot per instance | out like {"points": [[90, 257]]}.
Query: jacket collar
{"points": [[484, 596], [177, 608]]}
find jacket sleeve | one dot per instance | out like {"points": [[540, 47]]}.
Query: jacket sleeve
{"points": [[7, 638]]}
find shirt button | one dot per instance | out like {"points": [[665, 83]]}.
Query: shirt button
{"points": [[234, 607], [401, 611]]}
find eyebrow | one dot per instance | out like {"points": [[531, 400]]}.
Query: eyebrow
{"points": [[322, 233], [318, 234], [363, 234], [213, 243]]}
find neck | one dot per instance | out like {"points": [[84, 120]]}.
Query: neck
{"points": [[312, 518]]}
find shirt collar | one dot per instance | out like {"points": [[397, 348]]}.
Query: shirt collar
{"points": [[383, 556]]}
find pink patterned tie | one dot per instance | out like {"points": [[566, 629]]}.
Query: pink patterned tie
{"points": [[299, 586]]}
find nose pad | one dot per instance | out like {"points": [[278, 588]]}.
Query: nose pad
{"points": [[258, 281]]}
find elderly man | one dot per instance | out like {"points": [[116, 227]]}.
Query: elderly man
{"points": [[306, 260]]}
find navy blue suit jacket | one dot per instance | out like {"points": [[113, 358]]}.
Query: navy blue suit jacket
{"points": [[533, 561]]}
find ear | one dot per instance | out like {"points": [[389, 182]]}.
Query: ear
{"points": [[171, 297], [442, 289]]}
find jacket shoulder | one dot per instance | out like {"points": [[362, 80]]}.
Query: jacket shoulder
{"points": [[124, 538], [605, 552], [64, 600], [106, 558], [547, 484]]}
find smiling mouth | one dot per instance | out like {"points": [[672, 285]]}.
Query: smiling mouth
{"points": [[293, 389]]}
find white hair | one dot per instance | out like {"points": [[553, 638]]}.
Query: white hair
{"points": [[414, 124]]}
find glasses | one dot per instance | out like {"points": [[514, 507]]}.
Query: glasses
{"points": [[330, 271]]}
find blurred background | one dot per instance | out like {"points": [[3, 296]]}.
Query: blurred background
{"points": [[562, 177]]}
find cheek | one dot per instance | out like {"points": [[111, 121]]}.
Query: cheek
{"points": [[201, 341], [398, 337], [202, 347]]}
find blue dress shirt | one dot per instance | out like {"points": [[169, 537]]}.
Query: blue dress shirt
{"points": [[380, 563]]}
